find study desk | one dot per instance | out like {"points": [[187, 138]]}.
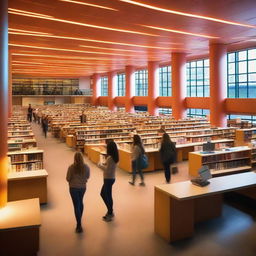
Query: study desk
{"points": [[179, 206]]}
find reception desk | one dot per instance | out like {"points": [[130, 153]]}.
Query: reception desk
{"points": [[179, 206]]}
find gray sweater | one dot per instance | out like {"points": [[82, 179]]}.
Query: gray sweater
{"points": [[136, 152], [77, 180], [109, 169]]}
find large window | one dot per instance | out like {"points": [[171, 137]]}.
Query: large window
{"points": [[141, 83], [249, 118], [242, 74], [165, 111], [198, 82], [104, 86], [121, 84], [197, 112], [165, 87]]}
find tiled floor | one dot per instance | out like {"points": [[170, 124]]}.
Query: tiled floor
{"points": [[131, 233]]}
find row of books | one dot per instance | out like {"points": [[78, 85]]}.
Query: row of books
{"points": [[26, 167], [225, 156], [229, 165]]}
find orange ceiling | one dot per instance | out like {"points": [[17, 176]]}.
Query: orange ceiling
{"points": [[74, 38]]}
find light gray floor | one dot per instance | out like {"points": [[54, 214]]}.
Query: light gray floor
{"points": [[131, 233]]}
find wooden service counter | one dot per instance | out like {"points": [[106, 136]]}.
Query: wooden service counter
{"points": [[179, 206], [19, 228]]}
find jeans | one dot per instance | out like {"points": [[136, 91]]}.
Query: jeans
{"points": [[167, 171], [135, 169], [106, 194], [77, 195]]}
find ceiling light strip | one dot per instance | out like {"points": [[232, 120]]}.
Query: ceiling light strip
{"points": [[89, 4], [187, 14], [45, 17], [91, 40], [180, 32]]}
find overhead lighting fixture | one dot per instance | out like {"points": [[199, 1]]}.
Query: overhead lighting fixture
{"points": [[63, 57], [187, 14], [10, 30], [89, 4], [60, 49], [180, 32], [92, 40], [110, 49], [46, 17]]}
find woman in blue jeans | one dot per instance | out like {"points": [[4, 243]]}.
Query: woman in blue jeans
{"points": [[109, 174], [77, 176]]}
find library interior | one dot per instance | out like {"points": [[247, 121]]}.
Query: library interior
{"points": [[128, 127]]}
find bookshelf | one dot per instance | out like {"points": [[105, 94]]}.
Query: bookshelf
{"points": [[20, 144], [244, 136], [229, 161], [26, 160]]}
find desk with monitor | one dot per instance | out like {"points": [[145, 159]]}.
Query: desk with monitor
{"points": [[179, 206]]}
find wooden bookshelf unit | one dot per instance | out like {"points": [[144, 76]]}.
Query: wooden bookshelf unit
{"points": [[229, 161]]}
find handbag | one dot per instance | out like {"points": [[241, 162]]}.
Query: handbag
{"points": [[143, 161], [175, 170]]}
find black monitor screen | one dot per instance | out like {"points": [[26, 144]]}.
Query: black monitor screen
{"points": [[208, 147]]}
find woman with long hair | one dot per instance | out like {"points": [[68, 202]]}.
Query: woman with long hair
{"points": [[109, 174], [167, 154], [77, 175], [137, 151]]}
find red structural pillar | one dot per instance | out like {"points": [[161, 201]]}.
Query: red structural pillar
{"points": [[218, 84], [112, 83], [153, 81], [3, 100], [95, 89], [178, 85], [10, 86], [129, 88]]}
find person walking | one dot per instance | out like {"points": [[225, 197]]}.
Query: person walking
{"points": [[137, 151], [77, 176], [168, 155], [45, 125], [30, 112], [109, 174]]}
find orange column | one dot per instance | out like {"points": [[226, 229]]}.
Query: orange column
{"points": [[178, 85], [218, 84], [3, 101], [112, 83], [129, 88], [10, 86], [95, 89], [153, 84]]}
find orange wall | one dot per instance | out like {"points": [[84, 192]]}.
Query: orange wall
{"points": [[164, 102], [140, 100], [198, 102], [103, 100], [119, 101], [241, 106]]}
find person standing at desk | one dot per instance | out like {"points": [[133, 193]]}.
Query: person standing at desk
{"points": [[30, 112], [45, 125], [168, 155], [137, 151]]}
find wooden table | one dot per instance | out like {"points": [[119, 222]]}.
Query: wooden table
{"points": [[27, 185], [179, 206], [19, 228]]}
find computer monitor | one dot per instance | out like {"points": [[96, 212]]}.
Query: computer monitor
{"points": [[204, 173], [208, 147]]}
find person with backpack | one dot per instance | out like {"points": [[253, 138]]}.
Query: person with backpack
{"points": [[137, 152], [168, 155]]}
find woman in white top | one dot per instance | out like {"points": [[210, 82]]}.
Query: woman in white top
{"points": [[109, 175], [137, 151]]}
